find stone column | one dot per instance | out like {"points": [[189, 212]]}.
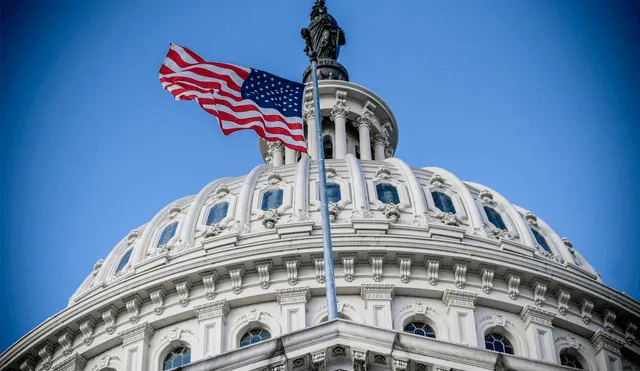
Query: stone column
{"points": [[460, 311], [608, 351], [364, 124], [289, 156], [310, 118], [293, 303], [135, 342], [339, 114], [276, 151], [539, 332], [377, 302], [380, 141], [212, 318]]}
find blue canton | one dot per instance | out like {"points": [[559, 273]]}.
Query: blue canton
{"points": [[271, 91]]}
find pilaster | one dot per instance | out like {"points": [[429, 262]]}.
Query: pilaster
{"points": [[293, 303], [135, 342], [460, 310], [377, 299], [364, 124], [212, 319], [608, 351], [339, 113], [538, 326]]}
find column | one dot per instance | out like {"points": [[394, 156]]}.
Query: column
{"points": [[293, 303], [289, 156], [377, 302], [363, 126], [380, 141], [460, 311], [539, 328], [276, 151], [309, 117], [212, 318], [339, 114], [135, 342], [608, 351]]}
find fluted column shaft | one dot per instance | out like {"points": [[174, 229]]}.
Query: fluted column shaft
{"points": [[378, 148], [310, 119], [365, 142], [339, 114], [289, 156], [276, 151]]}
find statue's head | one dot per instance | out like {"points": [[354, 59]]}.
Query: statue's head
{"points": [[319, 8]]}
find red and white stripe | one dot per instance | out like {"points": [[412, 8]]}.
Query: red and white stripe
{"points": [[216, 87]]}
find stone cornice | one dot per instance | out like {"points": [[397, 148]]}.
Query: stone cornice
{"points": [[73, 363], [536, 315], [293, 295], [602, 340], [377, 291], [219, 308], [459, 298], [143, 331]]}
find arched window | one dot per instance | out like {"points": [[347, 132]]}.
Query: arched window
{"points": [[387, 193], [333, 192], [497, 342], [541, 241], [177, 357], [495, 218], [217, 213], [272, 199], [168, 232], [420, 328], [569, 359], [124, 261], [254, 336], [443, 202], [328, 147]]}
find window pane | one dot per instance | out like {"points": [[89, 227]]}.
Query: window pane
{"points": [[495, 218], [217, 213], [272, 199], [168, 232], [387, 193], [541, 240], [443, 202], [124, 261], [328, 147], [333, 192], [420, 328]]}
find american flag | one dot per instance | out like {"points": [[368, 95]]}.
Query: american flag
{"points": [[240, 97]]}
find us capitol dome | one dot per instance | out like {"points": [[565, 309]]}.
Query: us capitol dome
{"points": [[432, 273]]}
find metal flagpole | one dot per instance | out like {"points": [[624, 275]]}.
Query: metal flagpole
{"points": [[332, 305]]}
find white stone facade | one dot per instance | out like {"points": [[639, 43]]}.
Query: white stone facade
{"points": [[207, 285]]}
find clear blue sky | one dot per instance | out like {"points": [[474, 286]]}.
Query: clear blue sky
{"points": [[538, 99]]}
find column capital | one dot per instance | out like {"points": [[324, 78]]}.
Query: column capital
{"points": [[276, 145], [73, 363], [602, 340], [340, 108], [218, 308], [363, 121], [293, 295], [308, 112], [458, 298], [540, 316], [143, 331], [373, 291]]}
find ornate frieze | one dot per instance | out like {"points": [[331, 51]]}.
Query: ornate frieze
{"points": [[293, 295], [65, 339], [432, 271], [377, 291], [270, 218], [319, 267], [291, 266], [143, 332], [563, 301], [399, 364], [539, 293], [513, 285], [74, 363], [404, 265], [211, 230], [209, 281], [459, 298], [448, 219], [318, 361], [264, 273], [133, 304], [109, 316], [603, 340], [46, 354], [533, 314], [630, 333], [348, 267], [334, 211], [359, 360], [157, 299], [218, 308], [609, 320], [487, 280], [236, 274], [377, 262], [460, 275], [391, 212], [586, 307]]}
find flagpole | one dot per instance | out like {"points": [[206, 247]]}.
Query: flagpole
{"points": [[332, 305]]}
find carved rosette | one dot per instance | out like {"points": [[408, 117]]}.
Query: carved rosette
{"points": [[391, 212]]}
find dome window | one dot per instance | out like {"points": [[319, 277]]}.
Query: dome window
{"points": [[443, 202], [387, 193], [328, 147], [217, 213], [498, 343], [541, 241], [254, 336], [495, 218], [570, 360], [272, 199], [167, 233], [177, 357], [420, 328], [333, 192], [124, 261]]}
